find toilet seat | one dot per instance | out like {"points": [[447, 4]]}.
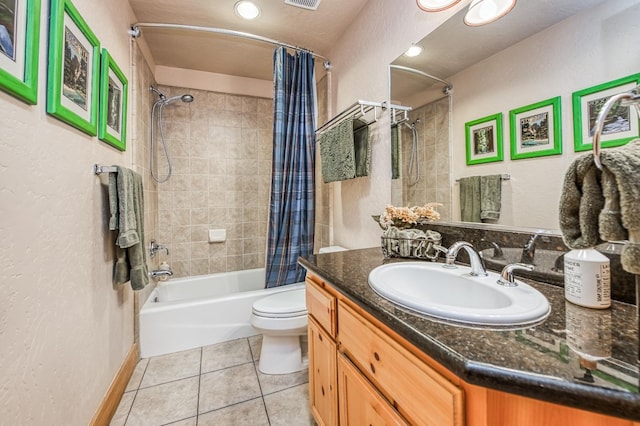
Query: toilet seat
{"points": [[286, 304]]}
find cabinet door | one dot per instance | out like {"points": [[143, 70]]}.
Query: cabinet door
{"points": [[323, 397], [360, 404]]}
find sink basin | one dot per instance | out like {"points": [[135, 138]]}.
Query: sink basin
{"points": [[453, 294]]}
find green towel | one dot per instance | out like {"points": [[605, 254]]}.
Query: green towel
{"points": [[337, 152], [361, 147], [395, 152], [126, 204], [604, 205], [490, 197], [470, 199]]}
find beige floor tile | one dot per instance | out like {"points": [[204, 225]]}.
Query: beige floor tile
{"points": [[270, 383], [191, 421], [289, 407], [120, 416], [245, 413], [256, 345], [229, 386], [175, 366], [225, 355], [136, 377], [165, 403]]}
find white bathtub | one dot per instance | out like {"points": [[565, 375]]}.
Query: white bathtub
{"points": [[186, 313]]}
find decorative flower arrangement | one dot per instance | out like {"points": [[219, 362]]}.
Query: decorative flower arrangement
{"points": [[407, 217]]}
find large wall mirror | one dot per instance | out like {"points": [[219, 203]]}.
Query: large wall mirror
{"points": [[544, 51]]}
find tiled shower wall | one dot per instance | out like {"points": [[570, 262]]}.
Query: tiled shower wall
{"points": [[432, 122], [141, 101], [221, 147]]}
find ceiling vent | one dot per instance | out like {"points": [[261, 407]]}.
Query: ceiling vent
{"points": [[305, 4]]}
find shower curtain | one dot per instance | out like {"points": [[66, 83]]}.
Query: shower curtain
{"points": [[292, 205]]}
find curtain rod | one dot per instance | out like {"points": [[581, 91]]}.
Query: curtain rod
{"points": [[135, 32], [448, 86]]}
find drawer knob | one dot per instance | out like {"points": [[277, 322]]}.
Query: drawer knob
{"points": [[320, 337], [376, 356], [373, 369], [322, 389]]}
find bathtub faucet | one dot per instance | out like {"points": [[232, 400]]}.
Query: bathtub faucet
{"points": [[159, 273]]}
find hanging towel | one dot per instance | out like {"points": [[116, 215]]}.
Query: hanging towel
{"points": [[395, 152], [337, 152], [470, 199], [490, 197], [126, 205], [361, 147], [604, 205]]}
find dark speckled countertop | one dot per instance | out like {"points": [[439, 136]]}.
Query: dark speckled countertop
{"points": [[577, 357]]}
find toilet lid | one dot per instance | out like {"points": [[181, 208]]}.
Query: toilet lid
{"points": [[280, 305]]}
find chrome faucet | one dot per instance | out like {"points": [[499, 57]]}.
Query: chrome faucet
{"points": [[477, 267], [161, 273]]}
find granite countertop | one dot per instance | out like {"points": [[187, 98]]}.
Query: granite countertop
{"points": [[578, 357]]}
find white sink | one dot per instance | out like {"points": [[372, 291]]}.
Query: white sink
{"points": [[435, 290]]}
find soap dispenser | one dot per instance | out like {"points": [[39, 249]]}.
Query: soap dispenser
{"points": [[587, 278]]}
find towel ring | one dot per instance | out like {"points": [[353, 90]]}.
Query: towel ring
{"points": [[597, 129]]}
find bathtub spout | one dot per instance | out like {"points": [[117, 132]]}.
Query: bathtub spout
{"points": [[159, 273]]}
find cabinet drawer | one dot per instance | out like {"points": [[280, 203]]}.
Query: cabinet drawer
{"points": [[417, 391], [360, 402], [322, 306]]}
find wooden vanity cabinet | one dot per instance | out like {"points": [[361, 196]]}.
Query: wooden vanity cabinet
{"points": [[323, 376]]}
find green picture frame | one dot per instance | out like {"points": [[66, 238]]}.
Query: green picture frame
{"points": [[621, 124], [483, 138], [74, 68], [19, 49], [536, 129], [112, 122]]}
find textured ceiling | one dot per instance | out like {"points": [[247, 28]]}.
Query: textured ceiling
{"points": [[314, 30]]}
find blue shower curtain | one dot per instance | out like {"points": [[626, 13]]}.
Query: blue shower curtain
{"points": [[292, 206]]}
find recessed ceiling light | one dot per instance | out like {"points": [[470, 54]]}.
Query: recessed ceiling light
{"points": [[436, 5], [414, 50], [247, 9], [483, 12]]}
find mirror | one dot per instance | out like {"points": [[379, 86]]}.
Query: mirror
{"points": [[541, 50]]}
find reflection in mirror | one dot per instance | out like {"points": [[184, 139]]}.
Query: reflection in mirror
{"points": [[526, 57]]}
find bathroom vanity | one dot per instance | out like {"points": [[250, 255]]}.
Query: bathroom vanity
{"points": [[371, 362]]}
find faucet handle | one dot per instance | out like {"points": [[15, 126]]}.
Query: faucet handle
{"points": [[506, 276]]}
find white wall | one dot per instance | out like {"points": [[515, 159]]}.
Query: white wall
{"points": [[597, 46], [64, 328], [383, 31]]}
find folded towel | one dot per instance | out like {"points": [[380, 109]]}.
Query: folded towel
{"points": [[337, 152], [126, 204], [395, 152], [604, 205], [490, 197], [361, 147], [470, 199]]}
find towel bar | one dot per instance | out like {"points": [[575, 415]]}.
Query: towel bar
{"points": [[628, 98], [359, 107], [504, 176], [98, 169]]}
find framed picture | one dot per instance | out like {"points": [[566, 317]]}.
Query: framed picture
{"points": [[536, 130], [19, 47], [621, 123], [112, 123], [74, 68], [484, 139]]}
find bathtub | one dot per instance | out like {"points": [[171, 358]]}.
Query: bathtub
{"points": [[187, 313]]}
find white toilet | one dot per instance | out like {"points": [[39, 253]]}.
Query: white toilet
{"points": [[282, 320]]}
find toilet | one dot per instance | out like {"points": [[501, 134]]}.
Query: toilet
{"points": [[282, 320]]}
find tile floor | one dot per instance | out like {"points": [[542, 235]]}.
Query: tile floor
{"points": [[213, 385]]}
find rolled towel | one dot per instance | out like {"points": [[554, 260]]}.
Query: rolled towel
{"points": [[604, 205]]}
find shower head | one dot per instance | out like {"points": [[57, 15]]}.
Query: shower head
{"points": [[184, 98]]}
